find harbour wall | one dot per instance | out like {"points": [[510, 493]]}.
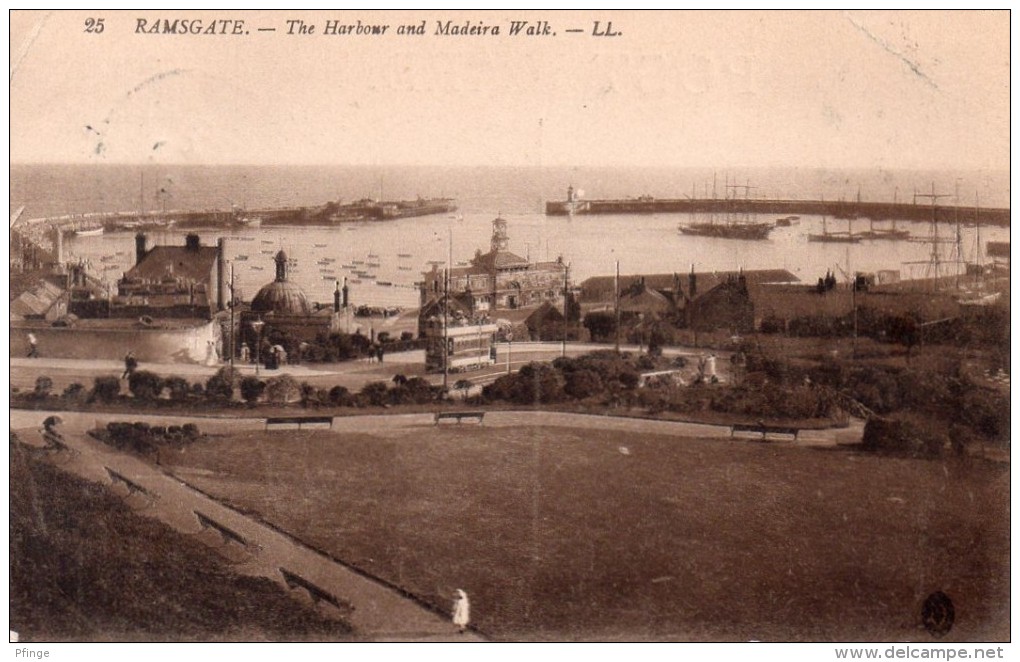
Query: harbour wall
{"points": [[835, 208]]}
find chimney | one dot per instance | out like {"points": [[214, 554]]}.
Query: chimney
{"points": [[192, 242], [345, 293], [336, 298], [692, 284], [221, 270], [140, 249]]}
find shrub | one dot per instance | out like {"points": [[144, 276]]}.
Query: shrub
{"points": [[43, 386], [904, 436], [145, 385], [221, 385], [282, 389], [197, 390], [105, 389], [538, 382], [501, 389], [143, 438], [74, 392], [252, 389], [309, 395], [178, 388], [340, 396], [375, 393], [582, 384], [415, 390]]}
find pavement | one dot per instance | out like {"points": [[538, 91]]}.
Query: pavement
{"points": [[351, 374]]}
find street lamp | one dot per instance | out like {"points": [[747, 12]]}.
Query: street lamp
{"points": [[509, 348], [257, 328]]}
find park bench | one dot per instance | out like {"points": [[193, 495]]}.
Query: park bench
{"points": [[764, 429], [226, 532], [133, 487], [317, 594], [299, 421], [459, 415]]}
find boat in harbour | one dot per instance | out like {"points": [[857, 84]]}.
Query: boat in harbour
{"points": [[746, 231], [847, 237]]}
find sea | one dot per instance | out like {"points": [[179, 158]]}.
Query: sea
{"points": [[384, 261]]}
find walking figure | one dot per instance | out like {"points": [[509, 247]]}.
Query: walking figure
{"points": [[33, 350], [130, 364], [461, 611]]}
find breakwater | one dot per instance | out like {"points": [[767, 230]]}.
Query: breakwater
{"points": [[879, 211]]}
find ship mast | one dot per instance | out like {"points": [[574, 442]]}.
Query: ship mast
{"points": [[934, 260]]}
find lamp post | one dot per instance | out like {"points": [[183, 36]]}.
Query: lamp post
{"points": [[566, 275], [509, 349], [233, 332], [257, 327]]}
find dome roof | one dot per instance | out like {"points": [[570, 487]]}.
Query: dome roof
{"points": [[281, 297]]}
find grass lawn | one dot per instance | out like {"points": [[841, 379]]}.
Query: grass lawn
{"points": [[85, 567], [562, 533]]}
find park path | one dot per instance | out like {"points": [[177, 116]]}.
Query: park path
{"points": [[379, 612]]}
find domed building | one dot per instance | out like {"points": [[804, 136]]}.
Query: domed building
{"points": [[280, 314], [281, 297]]}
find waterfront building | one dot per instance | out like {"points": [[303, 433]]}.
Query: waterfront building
{"points": [[499, 279]]}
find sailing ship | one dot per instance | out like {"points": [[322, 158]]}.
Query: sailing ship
{"points": [[847, 237], [745, 229], [873, 233]]}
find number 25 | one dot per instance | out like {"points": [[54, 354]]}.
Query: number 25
{"points": [[94, 25]]}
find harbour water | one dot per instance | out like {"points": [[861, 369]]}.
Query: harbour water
{"points": [[383, 260]]}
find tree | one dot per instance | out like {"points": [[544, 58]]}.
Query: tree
{"points": [[282, 389], [252, 389], [145, 385]]}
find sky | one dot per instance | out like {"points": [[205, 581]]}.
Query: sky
{"points": [[856, 89]]}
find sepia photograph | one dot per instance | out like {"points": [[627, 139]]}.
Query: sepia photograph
{"points": [[498, 326]]}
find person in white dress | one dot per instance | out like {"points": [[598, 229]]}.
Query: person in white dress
{"points": [[461, 610]]}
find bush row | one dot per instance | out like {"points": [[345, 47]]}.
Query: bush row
{"points": [[141, 437]]}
